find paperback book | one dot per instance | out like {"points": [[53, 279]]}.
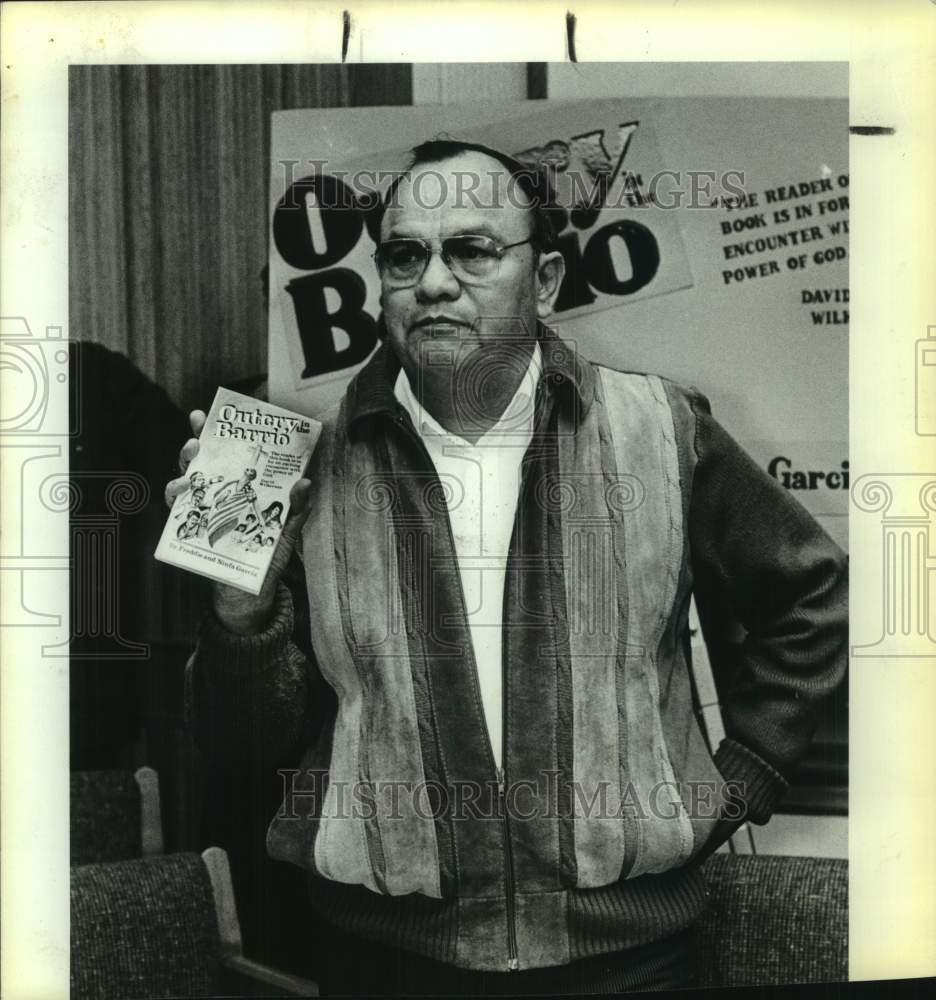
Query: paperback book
{"points": [[226, 526]]}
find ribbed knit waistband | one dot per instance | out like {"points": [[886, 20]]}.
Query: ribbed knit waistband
{"points": [[553, 928], [351, 966]]}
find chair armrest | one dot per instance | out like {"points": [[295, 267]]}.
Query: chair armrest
{"points": [[233, 959], [151, 832], [274, 980]]}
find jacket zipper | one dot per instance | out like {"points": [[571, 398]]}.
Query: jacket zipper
{"points": [[513, 960]]}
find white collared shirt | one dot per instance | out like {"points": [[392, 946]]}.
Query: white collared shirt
{"points": [[483, 480]]}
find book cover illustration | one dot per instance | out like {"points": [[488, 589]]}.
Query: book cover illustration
{"points": [[228, 523]]}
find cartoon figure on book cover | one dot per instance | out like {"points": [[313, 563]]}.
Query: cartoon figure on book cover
{"points": [[193, 526], [255, 534], [232, 501], [231, 511], [194, 502]]}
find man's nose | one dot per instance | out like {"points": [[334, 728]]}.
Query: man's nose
{"points": [[437, 280]]}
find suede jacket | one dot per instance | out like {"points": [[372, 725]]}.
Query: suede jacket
{"points": [[588, 840]]}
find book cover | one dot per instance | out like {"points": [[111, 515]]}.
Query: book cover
{"points": [[228, 523]]}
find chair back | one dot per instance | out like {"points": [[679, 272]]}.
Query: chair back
{"points": [[773, 919], [115, 815], [144, 928]]}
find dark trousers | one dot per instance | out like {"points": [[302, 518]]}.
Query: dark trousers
{"points": [[351, 966]]}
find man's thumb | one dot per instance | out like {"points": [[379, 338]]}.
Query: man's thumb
{"points": [[299, 497]]}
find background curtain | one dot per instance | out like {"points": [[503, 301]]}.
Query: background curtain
{"points": [[168, 208]]}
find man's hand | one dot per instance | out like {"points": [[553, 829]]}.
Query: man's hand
{"points": [[238, 611]]}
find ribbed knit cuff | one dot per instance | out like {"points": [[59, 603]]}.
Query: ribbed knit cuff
{"points": [[248, 654], [757, 784]]}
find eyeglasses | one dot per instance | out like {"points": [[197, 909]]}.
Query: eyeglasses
{"points": [[473, 260]]}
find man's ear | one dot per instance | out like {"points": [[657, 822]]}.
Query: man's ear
{"points": [[549, 274]]}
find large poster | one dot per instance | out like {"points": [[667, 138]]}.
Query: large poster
{"points": [[704, 239]]}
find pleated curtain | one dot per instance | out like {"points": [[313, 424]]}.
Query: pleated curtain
{"points": [[168, 199]]}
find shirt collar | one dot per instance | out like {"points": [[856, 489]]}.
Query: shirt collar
{"points": [[517, 418], [566, 374]]}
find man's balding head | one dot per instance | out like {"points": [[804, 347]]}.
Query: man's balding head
{"points": [[526, 185]]}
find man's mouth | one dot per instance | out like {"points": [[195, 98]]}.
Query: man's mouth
{"points": [[440, 324]]}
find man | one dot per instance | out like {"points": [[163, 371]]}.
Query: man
{"points": [[198, 487], [502, 785], [191, 526]]}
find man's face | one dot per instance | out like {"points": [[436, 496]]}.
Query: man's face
{"points": [[437, 311]]}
